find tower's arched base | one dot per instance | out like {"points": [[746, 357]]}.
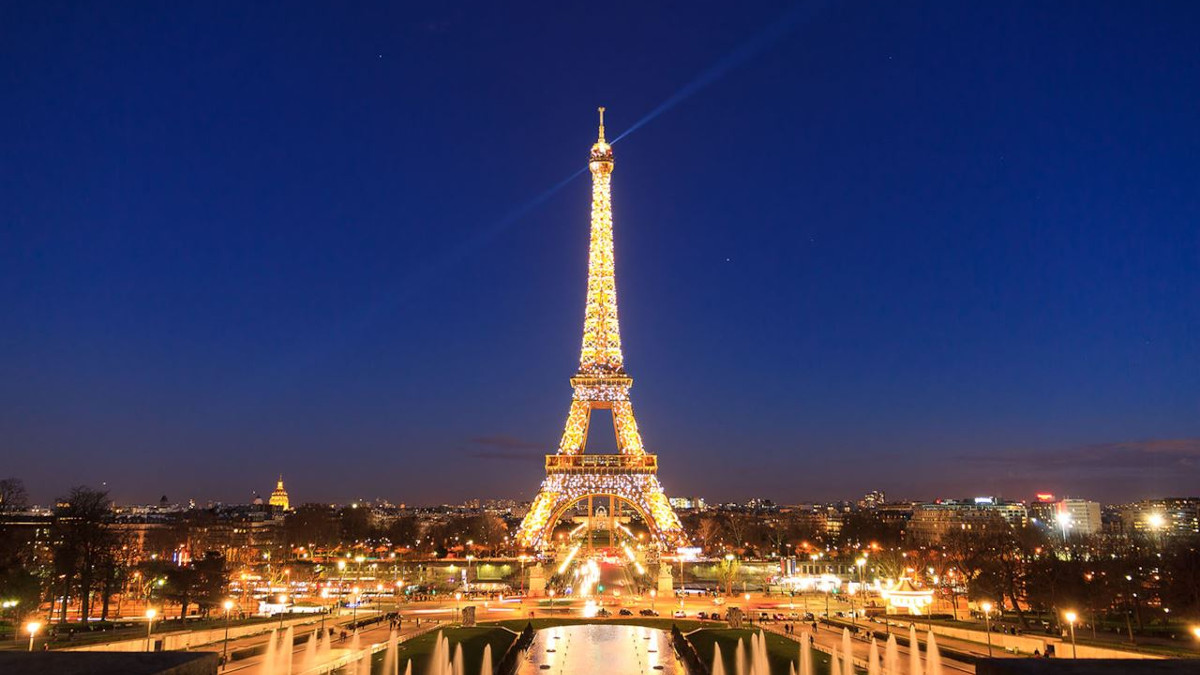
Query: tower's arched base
{"points": [[640, 491]]}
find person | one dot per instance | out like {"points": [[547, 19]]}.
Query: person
{"points": [[1037, 653]]}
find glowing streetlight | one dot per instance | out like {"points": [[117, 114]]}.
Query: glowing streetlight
{"points": [[653, 597], [987, 623], [282, 600], [457, 599], [1071, 617], [32, 628], [150, 614], [853, 614], [228, 605], [1196, 631]]}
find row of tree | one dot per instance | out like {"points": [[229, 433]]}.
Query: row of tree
{"points": [[84, 561], [318, 525]]}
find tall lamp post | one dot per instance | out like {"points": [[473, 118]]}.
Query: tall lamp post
{"points": [[457, 611], [225, 651], [987, 624], [282, 600], [653, 596], [1070, 617], [32, 627], [341, 583], [150, 614], [860, 563]]}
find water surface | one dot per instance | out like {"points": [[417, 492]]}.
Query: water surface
{"points": [[601, 648]]}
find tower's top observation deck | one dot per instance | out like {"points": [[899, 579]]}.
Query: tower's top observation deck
{"points": [[601, 160]]}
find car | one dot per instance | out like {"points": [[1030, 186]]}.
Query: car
{"points": [[603, 612], [701, 615], [625, 612], [763, 616], [794, 616], [648, 612], [679, 614]]}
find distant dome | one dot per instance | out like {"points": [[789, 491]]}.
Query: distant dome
{"points": [[279, 497]]}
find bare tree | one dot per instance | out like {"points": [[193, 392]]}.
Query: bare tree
{"points": [[17, 581], [13, 496], [84, 543]]}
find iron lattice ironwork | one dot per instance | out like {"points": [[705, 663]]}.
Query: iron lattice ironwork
{"points": [[601, 384]]}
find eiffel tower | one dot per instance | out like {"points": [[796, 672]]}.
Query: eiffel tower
{"points": [[629, 477]]}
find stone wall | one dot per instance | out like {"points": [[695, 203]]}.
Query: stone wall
{"points": [[1086, 667], [77, 663], [1026, 644], [189, 639]]}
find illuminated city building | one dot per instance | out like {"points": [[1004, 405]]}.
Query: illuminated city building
{"points": [[1066, 517], [601, 383], [1162, 517], [931, 522], [279, 497]]}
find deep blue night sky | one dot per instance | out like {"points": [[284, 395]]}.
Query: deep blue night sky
{"points": [[940, 249]]}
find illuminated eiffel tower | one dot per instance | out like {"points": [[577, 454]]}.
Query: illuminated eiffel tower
{"points": [[630, 477]]}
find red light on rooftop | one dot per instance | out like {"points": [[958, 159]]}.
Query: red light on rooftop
{"points": [[1045, 497]]}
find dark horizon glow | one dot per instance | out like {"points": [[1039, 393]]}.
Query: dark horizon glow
{"points": [[941, 251]]}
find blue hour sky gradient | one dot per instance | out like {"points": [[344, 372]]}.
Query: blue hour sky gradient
{"points": [[935, 248]]}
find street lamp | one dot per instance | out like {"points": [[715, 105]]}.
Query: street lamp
{"points": [[228, 605], [653, 596], [457, 611], [1070, 617], [551, 598], [987, 624], [32, 628], [150, 614], [341, 583], [282, 599], [853, 614]]}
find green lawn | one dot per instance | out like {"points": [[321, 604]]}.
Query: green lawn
{"points": [[472, 640], [781, 651]]}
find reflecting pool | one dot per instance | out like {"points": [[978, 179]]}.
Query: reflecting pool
{"points": [[601, 648]]}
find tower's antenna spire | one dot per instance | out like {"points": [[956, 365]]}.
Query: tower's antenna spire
{"points": [[601, 109]]}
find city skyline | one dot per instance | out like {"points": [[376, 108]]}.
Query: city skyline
{"points": [[848, 264]]}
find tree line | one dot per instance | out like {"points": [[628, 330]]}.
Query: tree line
{"points": [[84, 562]]}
